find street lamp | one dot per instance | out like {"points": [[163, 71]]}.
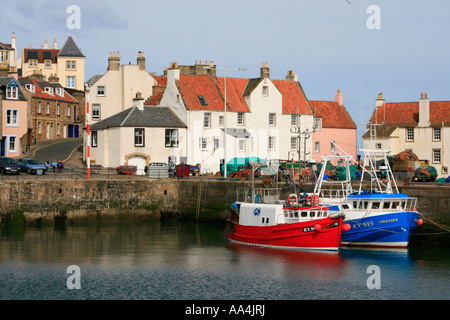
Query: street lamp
{"points": [[225, 118]]}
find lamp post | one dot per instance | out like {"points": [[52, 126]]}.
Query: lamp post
{"points": [[225, 117]]}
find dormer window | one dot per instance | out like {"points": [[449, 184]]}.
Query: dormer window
{"points": [[203, 100], [12, 92], [59, 91], [49, 90], [30, 87]]}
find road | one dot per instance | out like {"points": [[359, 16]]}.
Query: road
{"points": [[55, 150]]}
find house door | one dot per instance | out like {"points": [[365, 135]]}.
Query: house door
{"points": [[139, 162], [2, 147], [76, 131], [70, 132]]}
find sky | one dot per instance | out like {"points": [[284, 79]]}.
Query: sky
{"points": [[398, 47]]}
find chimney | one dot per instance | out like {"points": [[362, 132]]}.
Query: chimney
{"points": [[45, 45], [113, 61], [424, 110], [13, 56], [53, 78], [265, 71], [380, 101], [338, 97], [138, 102], [13, 72], [55, 45], [173, 73], [141, 60], [291, 76]]}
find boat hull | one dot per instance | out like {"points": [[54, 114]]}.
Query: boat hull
{"points": [[390, 230], [299, 235]]}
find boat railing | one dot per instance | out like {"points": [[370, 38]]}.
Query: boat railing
{"points": [[259, 195]]}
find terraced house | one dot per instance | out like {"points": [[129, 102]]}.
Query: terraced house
{"points": [[265, 118], [54, 113], [14, 116]]}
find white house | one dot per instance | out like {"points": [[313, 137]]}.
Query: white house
{"points": [[138, 136], [262, 119]]}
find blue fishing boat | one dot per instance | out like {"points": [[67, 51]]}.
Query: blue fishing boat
{"points": [[379, 215]]}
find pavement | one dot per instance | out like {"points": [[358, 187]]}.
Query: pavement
{"points": [[69, 151]]}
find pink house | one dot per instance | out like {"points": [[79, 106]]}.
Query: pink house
{"points": [[14, 108], [332, 122]]}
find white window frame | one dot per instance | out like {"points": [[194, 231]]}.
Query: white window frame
{"points": [[436, 134], [207, 120], [48, 108], [101, 91], [436, 155], [293, 120], [293, 143], [12, 92], [70, 81], [317, 124], [94, 139], [265, 90], [241, 145], [317, 146], [8, 144], [171, 138], [409, 134], [139, 137], [96, 111], [203, 143], [240, 119], [272, 143], [47, 63], [272, 119], [12, 118]]}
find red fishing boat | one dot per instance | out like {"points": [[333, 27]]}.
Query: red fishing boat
{"points": [[297, 223]]}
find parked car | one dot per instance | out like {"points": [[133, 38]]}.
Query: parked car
{"points": [[9, 166], [31, 166]]}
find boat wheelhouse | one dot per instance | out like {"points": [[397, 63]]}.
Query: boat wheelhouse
{"points": [[260, 218], [379, 215]]}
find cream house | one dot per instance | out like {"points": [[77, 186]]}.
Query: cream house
{"points": [[422, 127], [114, 91], [66, 63], [138, 136]]}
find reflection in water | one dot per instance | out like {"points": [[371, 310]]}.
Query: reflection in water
{"points": [[174, 260]]}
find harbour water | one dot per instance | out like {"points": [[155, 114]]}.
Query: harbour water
{"points": [[194, 261]]}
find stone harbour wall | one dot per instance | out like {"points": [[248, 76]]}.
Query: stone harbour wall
{"points": [[90, 201]]}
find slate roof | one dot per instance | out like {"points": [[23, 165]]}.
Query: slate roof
{"points": [[70, 49], [151, 116], [333, 115], [4, 81], [4, 46], [40, 54]]}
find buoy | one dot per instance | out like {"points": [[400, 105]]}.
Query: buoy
{"points": [[419, 222], [347, 227], [318, 227]]}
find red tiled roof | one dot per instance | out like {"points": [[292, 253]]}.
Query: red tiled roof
{"points": [[235, 88], [40, 93], [160, 80], [155, 99], [405, 113], [40, 54], [193, 86], [333, 115], [293, 99]]}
